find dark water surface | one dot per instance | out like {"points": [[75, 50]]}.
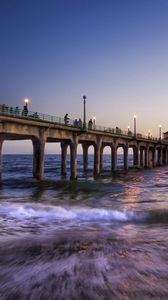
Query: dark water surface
{"points": [[88, 239]]}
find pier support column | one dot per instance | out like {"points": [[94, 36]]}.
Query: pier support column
{"points": [[73, 148], [160, 157], [97, 148], [113, 158], [101, 158], [136, 157], [85, 148], [141, 157], [38, 158], [64, 147], [147, 157], [125, 158], [154, 157], [1, 143], [166, 156]]}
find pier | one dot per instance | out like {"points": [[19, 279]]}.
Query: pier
{"points": [[42, 129]]}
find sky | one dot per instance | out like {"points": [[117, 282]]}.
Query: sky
{"points": [[113, 51]]}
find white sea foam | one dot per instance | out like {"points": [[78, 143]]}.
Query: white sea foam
{"points": [[48, 212]]}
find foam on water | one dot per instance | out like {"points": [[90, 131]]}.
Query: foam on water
{"points": [[38, 211]]}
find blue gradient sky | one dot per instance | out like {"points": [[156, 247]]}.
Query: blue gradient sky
{"points": [[115, 52]]}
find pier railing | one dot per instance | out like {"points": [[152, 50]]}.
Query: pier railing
{"points": [[22, 113]]}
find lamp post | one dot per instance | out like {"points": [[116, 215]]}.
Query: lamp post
{"points": [[135, 118], [128, 129], [160, 132], [26, 101], [149, 134], [25, 109], [94, 122], [84, 112]]}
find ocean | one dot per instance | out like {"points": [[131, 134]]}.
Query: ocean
{"points": [[88, 239]]}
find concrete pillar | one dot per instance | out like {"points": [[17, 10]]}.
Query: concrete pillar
{"points": [[136, 159], [125, 158], [38, 158], [166, 156], [73, 149], [101, 158], [151, 157], [114, 158], [97, 148], [154, 157], [1, 143], [141, 157], [147, 157], [64, 147], [85, 147], [163, 156], [160, 157]]}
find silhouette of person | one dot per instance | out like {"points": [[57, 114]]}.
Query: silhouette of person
{"points": [[16, 110], [66, 119], [90, 123], [80, 123], [25, 110]]}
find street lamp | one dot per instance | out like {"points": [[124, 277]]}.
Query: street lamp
{"points": [[84, 112], [94, 122], [135, 118], [149, 134], [160, 132], [26, 101], [25, 108]]}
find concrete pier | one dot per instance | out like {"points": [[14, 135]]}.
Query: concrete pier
{"points": [[147, 152]]}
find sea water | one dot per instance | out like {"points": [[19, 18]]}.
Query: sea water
{"points": [[88, 239]]}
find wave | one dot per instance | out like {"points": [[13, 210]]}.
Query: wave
{"points": [[88, 214], [29, 211]]}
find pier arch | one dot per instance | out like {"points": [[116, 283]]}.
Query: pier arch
{"points": [[122, 148], [130, 157], [19, 159], [106, 157]]}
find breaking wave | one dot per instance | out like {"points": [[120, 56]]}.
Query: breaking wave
{"points": [[65, 213], [48, 212]]}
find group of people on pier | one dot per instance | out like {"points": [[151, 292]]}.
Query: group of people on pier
{"points": [[78, 123], [16, 111]]}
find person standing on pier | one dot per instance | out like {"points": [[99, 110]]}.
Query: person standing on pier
{"points": [[66, 119]]}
